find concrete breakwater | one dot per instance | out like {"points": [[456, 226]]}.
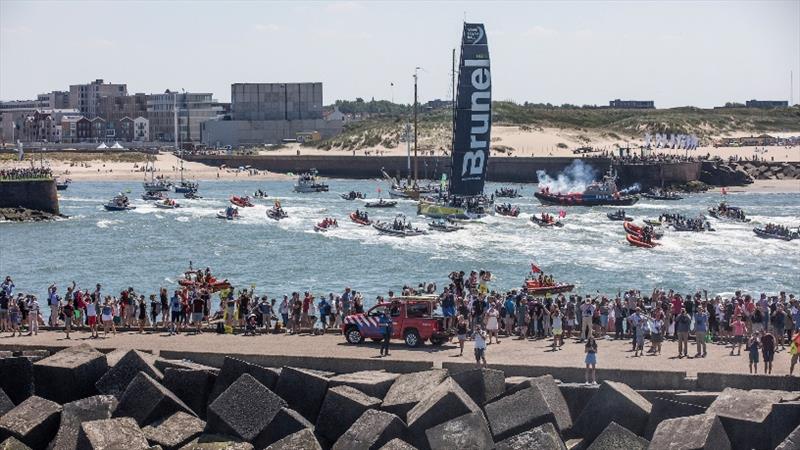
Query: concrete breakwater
{"points": [[135, 400], [37, 195], [512, 170]]}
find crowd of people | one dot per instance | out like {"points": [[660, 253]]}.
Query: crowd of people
{"points": [[763, 325], [25, 173]]}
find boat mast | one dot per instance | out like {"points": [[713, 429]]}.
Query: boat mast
{"points": [[416, 165]]}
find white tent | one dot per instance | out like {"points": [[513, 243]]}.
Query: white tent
{"points": [[117, 146], [102, 146]]}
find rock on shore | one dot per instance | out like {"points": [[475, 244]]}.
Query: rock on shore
{"points": [[27, 215]]}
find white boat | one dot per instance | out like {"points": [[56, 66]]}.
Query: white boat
{"points": [[307, 182]]}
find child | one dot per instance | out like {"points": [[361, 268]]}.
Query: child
{"points": [[739, 328], [591, 359], [461, 330], [480, 345], [752, 349], [558, 338]]}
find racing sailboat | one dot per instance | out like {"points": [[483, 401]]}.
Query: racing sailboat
{"points": [[472, 122]]}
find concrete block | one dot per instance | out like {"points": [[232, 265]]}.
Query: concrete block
{"points": [[303, 390], [691, 433], [444, 402], [286, 422], [175, 431], [112, 434], [512, 382], [664, 409], [518, 412], [745, 417], [69, 374], [35, 355], [302, 440], [398, 444], [792, 441], [244, 411], [464, 432], [652, 394], [542, 437], [73, 414], [617, 437], [699, 398], [113, 357], [614, 402], [482, 385], [146, 401], [233, 368], [191, 386], [216, 442], [34, 422], [340, 409], [552, 396], [375, 383], [116, 380], [371, 431], [409, 389], [16, 378], [6, 404], [783, 420], [577, 396], [164, 364], [13, 443]]}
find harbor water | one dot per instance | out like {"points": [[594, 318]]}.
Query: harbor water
{"points": [[148, 247]]}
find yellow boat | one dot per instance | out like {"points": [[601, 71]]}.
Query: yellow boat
{"points": [[440, 211]]}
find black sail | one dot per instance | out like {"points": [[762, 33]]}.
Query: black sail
{"points": [[472, 121]]}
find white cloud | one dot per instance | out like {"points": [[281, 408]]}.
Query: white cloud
{"points": [[100, 43], [584, 34], [343, 6], [19, 29], [539, 31], [266, 27]]}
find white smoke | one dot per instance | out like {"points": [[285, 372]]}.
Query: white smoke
{"points": [[636, 187], [574, 178]]}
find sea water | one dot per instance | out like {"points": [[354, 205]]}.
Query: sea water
{"points": [[148, 247]]}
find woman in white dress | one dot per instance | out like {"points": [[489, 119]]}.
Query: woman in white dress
{"points": [[492, 322]]}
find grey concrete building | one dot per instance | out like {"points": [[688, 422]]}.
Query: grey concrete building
{"points": [[194, 108], [276, 101], [266, 113], [86, 97]]}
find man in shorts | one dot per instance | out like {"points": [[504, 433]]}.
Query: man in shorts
{"points": [[198, 307]]}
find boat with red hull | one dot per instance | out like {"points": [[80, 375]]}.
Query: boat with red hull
{"points": [[599, 193]]}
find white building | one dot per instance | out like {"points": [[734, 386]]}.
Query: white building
{"points": [[141, 129]]}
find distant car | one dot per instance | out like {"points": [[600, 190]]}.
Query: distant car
{"points": [[412, 321]]}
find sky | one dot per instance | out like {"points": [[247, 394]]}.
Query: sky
{"points": [[698, 53]]}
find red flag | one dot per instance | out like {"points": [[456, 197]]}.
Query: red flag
{"points": [[535, 268], [562, 214]]}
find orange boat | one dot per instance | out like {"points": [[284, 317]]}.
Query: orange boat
{"points": [[359, 220], [636, 242], [533, 287], [190, 279], [241, 201], [636, 231]]}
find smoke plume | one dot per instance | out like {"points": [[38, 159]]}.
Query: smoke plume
{"points": [[636, 187], [574, 178]]}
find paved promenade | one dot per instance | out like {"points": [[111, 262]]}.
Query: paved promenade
{"points": [[612, 354]]}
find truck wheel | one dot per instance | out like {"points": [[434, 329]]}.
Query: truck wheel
{"points": [[354, 336], [412, 338]]}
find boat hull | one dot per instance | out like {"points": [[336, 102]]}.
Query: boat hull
{"points": [[763, 234], [544, 290], [437, 211], [637, 243], [581, 200], [355, 219]]}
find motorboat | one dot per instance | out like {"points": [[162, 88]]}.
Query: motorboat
{"points": [[119, 203], [444, 225], [307, 182]]}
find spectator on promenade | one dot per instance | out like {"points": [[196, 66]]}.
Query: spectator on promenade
{"points": [[14, 317], [700, 330], [385, 322], [768, 351], [141, 311], [794, 350], [492, 321], [752, 351], [5, 324], [739, 329], [91, 315], [479, 336], [69, 313], [558, 337], [587, 312], [591, 360], [107, 315], [461, 331], [682, 325], [33, 315], [656, 335]]}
